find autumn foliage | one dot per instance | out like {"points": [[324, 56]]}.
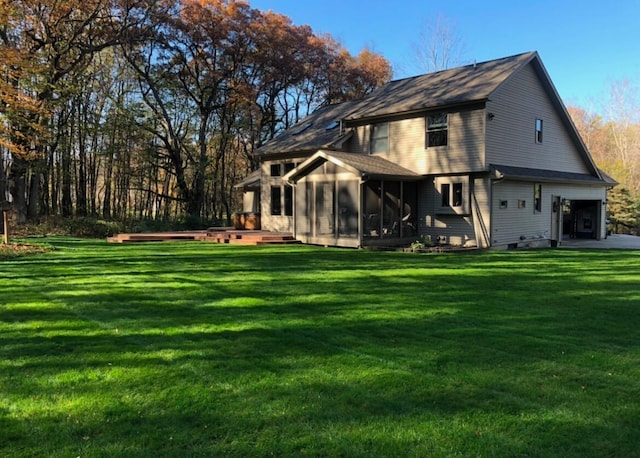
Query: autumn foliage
{"points": [[151, 108]]}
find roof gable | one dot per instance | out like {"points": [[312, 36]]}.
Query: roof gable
{"points": [[363, 166], [556, 101]]}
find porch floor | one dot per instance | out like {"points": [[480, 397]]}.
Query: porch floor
{"points": [[214, 235]]}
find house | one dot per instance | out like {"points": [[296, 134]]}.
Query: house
{"points": [[481, 155]]}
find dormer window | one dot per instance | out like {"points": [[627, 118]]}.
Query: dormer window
{"points": [[380, 138], [302, 128], [437, 128]]}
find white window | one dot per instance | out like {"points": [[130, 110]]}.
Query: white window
{"points": [[452, 195]]}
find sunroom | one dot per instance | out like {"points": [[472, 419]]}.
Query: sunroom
{"points": [[353, 200]]}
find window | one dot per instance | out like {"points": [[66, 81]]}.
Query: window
{"points": [[537, 197], [452, 195], [275, 170], [302, 128], [456, 200], [445, 192], [504, 204], [288, 201], [522, 203], [437, 126], [276, 203], [538, 130], [288, 167], [380, 138]]}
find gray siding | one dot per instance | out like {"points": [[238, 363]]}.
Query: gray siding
{"points": [[481, 210], [444, 228], [463, 154], [511, 133], [513, 224]]}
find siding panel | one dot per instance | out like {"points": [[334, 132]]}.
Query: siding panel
{"points": [[463, 154], [511, 133]]}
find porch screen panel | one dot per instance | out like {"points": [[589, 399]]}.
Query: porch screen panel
{"points": [[391, 212], [303, 207], [325, 213], [410, 209], [372, 209], [348, 208]]}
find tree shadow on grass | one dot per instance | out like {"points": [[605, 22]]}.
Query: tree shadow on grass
{"points": [[306, 351]]}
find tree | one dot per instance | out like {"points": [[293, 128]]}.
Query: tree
{"points": [[151, 108], [439, 46], [50, 44], [624, 211]]}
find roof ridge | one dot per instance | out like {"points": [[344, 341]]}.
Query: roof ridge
{"points": [[458, 67]]}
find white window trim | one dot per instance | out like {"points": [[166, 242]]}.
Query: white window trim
{"points": [[465, 208]]}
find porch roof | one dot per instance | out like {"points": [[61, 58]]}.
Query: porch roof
{"points": [[549, 176], [364, 166], [252, 181]]}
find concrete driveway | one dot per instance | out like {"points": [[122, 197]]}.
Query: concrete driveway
{"points": [[616, 241]]}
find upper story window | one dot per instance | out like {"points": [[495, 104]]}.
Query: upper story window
{"points": [[538, 130], [437, 128], [275, 170], [380, 138]]}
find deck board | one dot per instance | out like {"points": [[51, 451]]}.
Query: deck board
{"points": [[211, 235]]}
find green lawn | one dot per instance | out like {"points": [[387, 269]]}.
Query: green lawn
{"points": [[193, 349]]}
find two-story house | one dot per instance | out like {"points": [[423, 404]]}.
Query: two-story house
{"points": [[482, 155]]}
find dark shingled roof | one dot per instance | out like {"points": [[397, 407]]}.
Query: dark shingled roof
{"points": [[465, 85], [365, 166], [551, 176], [471, 83], [311, 134], [461, 85]]}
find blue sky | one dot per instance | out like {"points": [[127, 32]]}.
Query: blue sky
{"points": [[585, 45]]}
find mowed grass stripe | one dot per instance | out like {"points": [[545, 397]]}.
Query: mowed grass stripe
{"points": [[188, 349]]}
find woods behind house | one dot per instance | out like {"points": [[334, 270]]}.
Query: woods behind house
{"points": [[150, 109]]}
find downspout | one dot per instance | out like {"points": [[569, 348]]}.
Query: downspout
{"points": [[363, 180]]}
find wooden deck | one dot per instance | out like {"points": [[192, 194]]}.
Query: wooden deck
{"points": [[213, 235]]}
